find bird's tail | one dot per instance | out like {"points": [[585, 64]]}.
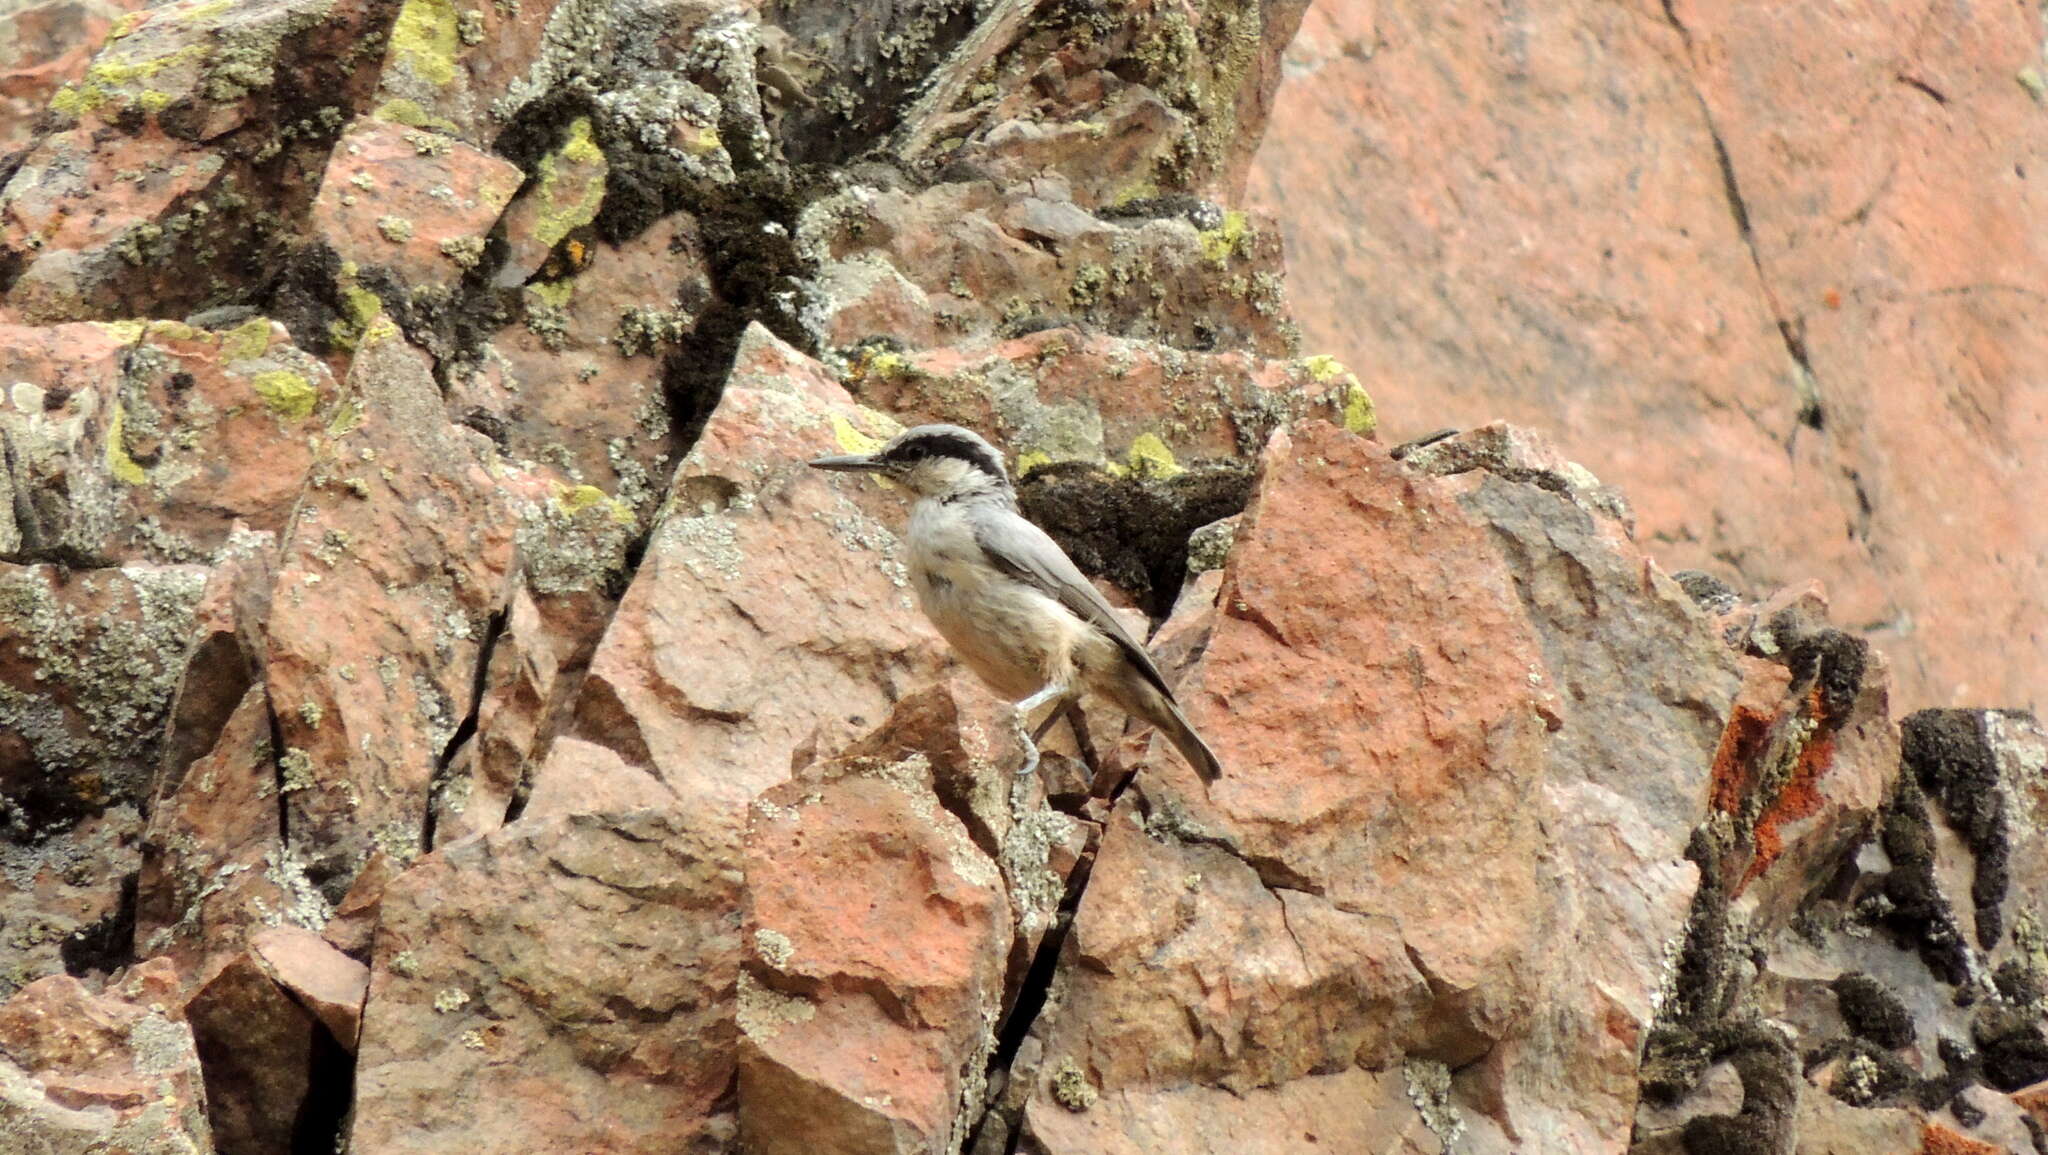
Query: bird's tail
{"points": [[1190, 744]]}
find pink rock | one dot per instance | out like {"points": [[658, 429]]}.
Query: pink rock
{"points": [[153, 441], [1352, 1110], [113, 1072], [718, 665], [1332, 825], [1065, 394], [1139, 100], [258, 1049], [410, 200], [879, 933], [396, 562], [89, 661], [45, 46], [560, 984], [578, 387], [1652, 302], [975, 260], [134, 205], [325, 981], [215, 867]]}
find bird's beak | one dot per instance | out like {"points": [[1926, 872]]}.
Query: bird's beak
{"points": [[849, 463]]}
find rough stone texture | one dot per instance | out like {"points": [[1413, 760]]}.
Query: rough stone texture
{"points": [[151, 442], [719, 666], [178, 164], [1728, 252], [975, 259], [398, 558], [860, 882], [1323, 884], [428, 668], [42, 48], [1069, 394], [612, 1028], [322, 979], [256, 1047], [609, 330], [112, 1073], [410, 200], [88, 664]]}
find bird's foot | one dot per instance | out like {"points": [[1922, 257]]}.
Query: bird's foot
{"points": [[1020, 721], [1020, 726]]}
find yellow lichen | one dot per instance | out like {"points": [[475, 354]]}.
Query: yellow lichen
{"points": [[1359, 415], [363, 305], [1149, 457], [174, 331], [1322, 368], [77, 101], [574, 500], [410, 114], [553, 294], [348, 417], [127, 25], [126, 332], [1032, 459], [122, 466], [199, 13], [285, 393], [851, 439], [1226, 240], [380, 330], [1352, 401], [564, 209], [426, 37], [247, 341]]}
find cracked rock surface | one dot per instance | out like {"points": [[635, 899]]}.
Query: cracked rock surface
{"points": [[440, 711], [1727, 253]]}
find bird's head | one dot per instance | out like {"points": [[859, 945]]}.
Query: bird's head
{"points": [[931, 461]]}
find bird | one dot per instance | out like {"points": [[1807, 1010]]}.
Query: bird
{"points": [[1008, 599]]}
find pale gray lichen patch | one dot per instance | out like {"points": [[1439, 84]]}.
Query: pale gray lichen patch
{"points": [[1429, 1089], [161, 1046], [855, 530], [1025, 857], [1071, 1087], [1209, 547], [103, 677], [305, 906], [912, 776], [762, 1012], [774, 947], [707, 545], [569, 548]]}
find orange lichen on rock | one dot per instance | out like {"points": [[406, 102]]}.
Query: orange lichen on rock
{"points": [[1936, 1139]]}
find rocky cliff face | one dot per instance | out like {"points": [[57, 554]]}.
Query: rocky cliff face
{"points": [[439, 711], [1774, 269]]}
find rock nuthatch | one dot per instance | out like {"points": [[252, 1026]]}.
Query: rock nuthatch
{"points": [[1008, 599]]}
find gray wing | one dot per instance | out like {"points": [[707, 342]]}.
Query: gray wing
{"points": [[1027, 553]]}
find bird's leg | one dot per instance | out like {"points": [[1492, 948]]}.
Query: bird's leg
{"points": [[1021, 719]]}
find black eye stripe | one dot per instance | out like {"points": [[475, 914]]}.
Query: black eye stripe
{"points": [[946, 445]]}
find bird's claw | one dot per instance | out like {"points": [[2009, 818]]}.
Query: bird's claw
{"points": [[1020, 721]]}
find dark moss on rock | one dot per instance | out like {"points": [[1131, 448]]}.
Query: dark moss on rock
{"points": [[1833, 662], [1133, 530], [1950, 756], [2011, 1041], [1873, 1012], [106, 945], [1770, 1090]]}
